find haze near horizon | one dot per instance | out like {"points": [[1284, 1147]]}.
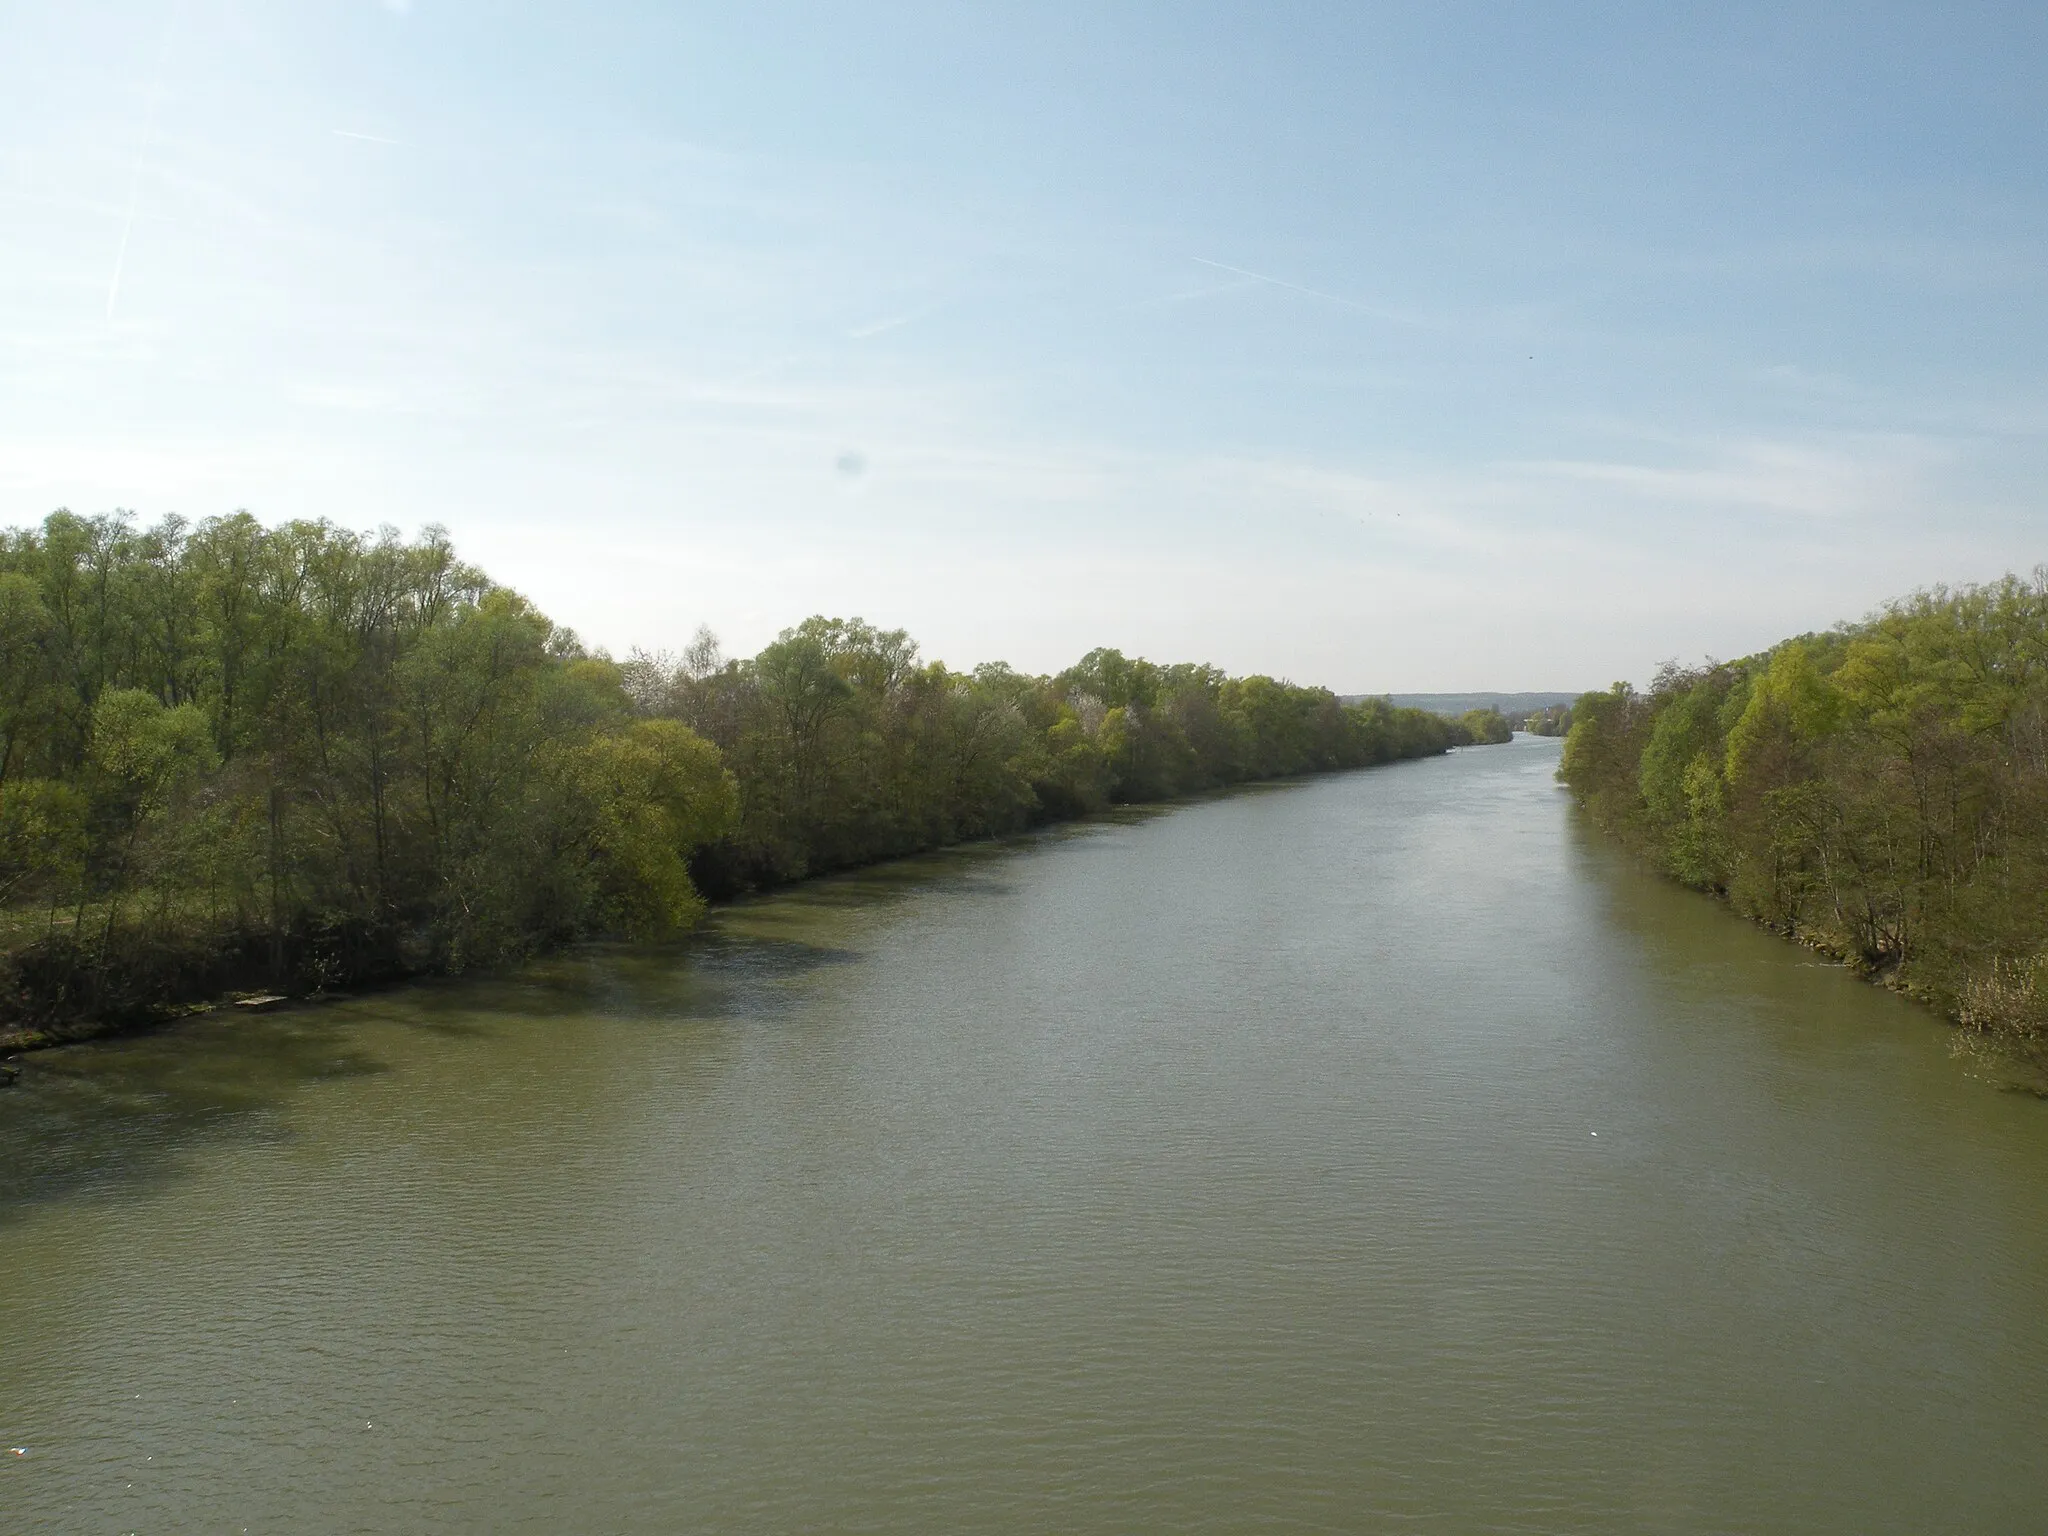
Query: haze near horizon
{"points": [[1481, 349]]}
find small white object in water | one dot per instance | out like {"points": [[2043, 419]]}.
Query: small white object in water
{"points": [[1596, 1133], [19, 1450]]}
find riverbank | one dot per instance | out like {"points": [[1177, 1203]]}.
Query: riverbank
{"points": [[350, 758], [1878, 793], [59, 990], [2023, 1049]]}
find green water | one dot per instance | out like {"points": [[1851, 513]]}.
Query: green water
{"points": [[1232, 1168]]}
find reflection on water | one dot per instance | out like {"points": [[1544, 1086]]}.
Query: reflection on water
{"points": [[1378, 1150], [119, 1110]]}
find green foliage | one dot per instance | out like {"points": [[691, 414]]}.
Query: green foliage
{"points": [[647, 797], [312, 755], [1880, 791], [846, 749], [149, 750], [301, 742], [1483, 728], [43, 838]]}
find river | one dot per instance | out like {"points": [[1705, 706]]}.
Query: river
{"points": [[1375, 1152]]}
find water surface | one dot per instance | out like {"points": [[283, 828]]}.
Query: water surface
{"points": [[1377, 1152]]}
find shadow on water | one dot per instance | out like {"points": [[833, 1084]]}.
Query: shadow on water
{"points": [[867, 888], [122, 1115], [966, 869], [710, 975], [1806, 1005], [92, 1117], [1702, 945]]}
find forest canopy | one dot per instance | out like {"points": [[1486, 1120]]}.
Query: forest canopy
{"points": [[304, 756], [1879, 790]]}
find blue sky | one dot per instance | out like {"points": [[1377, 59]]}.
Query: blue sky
{"points": [[1388, 347]]}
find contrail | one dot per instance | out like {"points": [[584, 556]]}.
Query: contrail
{"points": [[877, 327], [367, 138], [862, 333], [1314, 293], [1197, 293], [156, 99], [128, 223]]}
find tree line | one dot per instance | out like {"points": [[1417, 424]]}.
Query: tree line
{"points": [[303, 756], [1486, 727], [1879, 791]]}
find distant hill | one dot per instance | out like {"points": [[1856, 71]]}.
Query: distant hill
{"points": [[1512, 705]]}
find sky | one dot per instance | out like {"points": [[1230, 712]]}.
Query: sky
{"points": [[1383, 347]]}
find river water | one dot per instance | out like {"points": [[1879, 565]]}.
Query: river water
{"points": [[1375, 1152]]}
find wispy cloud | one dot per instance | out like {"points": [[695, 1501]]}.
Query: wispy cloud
{"points": [[892, 322], [1827, 479], [1315, 293]]}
